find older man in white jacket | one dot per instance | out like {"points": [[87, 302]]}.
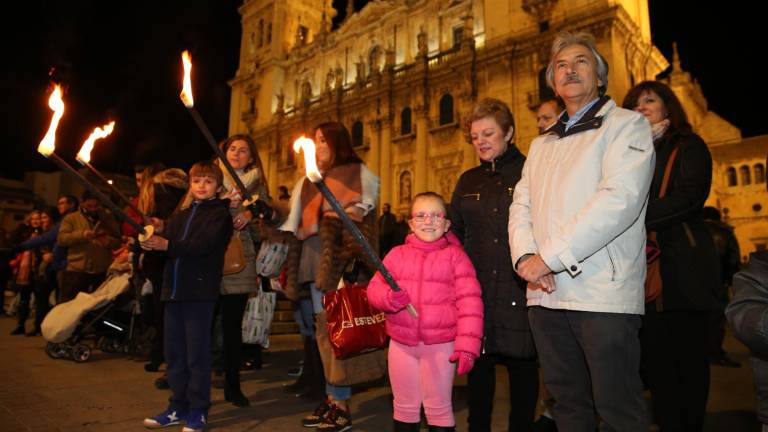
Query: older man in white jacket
{"points": [[577, 235]]}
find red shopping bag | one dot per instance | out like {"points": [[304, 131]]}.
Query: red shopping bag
{"points": [[354, 327]]}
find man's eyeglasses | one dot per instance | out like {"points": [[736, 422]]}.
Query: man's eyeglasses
{"points": [[423, 216]]}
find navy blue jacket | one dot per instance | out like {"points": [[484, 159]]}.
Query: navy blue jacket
{"points": [[48, 239], [197, 239]]}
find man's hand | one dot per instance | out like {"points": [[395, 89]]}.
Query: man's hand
{"points": [[89, 234], [155, 243], [533, 268], [546, 283]]}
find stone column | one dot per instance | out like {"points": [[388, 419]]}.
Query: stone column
{"points": [[373, 153], [420, 153], [385, 160]]}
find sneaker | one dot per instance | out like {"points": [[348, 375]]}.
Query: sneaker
{"points": [[314, 419], [196, 421], [169, 417], [162, 383], [337, 420]]}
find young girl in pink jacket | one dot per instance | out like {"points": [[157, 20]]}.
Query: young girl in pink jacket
{"points": [[438, 279]]}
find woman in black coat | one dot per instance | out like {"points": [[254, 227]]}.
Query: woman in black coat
{"points": [[479, 217], [674, 335]]}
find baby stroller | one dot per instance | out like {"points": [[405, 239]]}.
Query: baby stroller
{"points": [[102, 316]]}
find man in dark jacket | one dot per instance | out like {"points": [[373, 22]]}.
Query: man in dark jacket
{"points": [[748, 315], [387, 227], [727, 248], [196, 240]]}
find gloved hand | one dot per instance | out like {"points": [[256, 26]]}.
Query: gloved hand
{"points": [[261, 210], [399, 299], [465, 361]]}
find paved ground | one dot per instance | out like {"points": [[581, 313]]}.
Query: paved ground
{"points": [[112, 393]]}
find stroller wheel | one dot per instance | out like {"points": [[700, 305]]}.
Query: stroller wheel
{"points": [[55, 350], [81, 353]]}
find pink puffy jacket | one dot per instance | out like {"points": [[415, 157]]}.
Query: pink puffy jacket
{"points": [[441, 282]]}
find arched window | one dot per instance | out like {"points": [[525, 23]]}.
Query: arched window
{"points": [[405, 121], [730, 175], [545, 93], [746, 176], [357, 134], [261, 33], [759, 173], [446, 109]]}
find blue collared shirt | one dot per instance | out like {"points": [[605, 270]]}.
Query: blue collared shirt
{"points": [[572, 120]]}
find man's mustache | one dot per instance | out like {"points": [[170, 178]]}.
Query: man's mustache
{"points": [[573, 78]]}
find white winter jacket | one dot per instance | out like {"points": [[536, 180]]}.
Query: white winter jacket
{"points": [[581, 205]]}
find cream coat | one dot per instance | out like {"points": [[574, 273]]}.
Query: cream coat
{"points": [[581, 205]]}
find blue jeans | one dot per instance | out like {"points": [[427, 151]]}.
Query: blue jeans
{"points": [[339, 393], [304, 317]]}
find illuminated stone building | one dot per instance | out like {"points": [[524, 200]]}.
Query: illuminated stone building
{"points": [[401, 73]]}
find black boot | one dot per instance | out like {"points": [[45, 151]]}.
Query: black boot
{"points": [[303, 380], [234, 395], [406, 427], [313, 367], [19, 330], [442, 428]]}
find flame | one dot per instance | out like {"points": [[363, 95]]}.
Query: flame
{"points": [[48, 144], [308, 147], [186, 92], [84, 155]]}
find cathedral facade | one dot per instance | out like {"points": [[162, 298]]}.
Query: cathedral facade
{"points": [[401, 74]]}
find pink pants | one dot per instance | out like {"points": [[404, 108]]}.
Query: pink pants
{"points": [[422, 374]]}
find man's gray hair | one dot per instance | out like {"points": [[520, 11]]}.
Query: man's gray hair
{"points": [[566, 39]]}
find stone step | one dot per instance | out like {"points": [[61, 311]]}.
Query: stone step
{"points": [[279, 327]]}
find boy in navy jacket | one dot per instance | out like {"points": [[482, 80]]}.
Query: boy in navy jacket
{"points": [[195, 239]]}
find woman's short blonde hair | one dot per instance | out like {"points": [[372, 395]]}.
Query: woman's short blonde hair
{"points": [[489, 108]]}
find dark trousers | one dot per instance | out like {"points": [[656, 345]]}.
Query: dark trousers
{"points": [[188, 354], [590, 364], [523, 392], [716, 334], [25, 298], [42, 290], [73, 282], [156, 351], [232, 307], [676, 348]]}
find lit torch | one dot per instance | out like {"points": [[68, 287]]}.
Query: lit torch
{"points": [[313, 174], [48, 146], [189, 102], [84, 157]]}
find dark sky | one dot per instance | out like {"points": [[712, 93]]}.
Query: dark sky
{"points": [[120, 60]]}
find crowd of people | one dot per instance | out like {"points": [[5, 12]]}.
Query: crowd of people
{"points": [[536, 263]]}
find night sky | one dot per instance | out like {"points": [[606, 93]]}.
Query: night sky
{"points": [[121, 61]]}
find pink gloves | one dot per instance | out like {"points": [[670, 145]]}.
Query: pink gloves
{"points": [[399, 299], [465, 361]]}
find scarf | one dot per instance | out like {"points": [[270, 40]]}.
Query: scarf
{"points": [[346, 185], [658, 129]]}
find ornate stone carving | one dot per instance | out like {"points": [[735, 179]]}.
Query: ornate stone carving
{"points": [[539, 9], [405, 187]]}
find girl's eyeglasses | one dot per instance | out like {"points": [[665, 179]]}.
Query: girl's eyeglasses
{"points": [[423, 216]]}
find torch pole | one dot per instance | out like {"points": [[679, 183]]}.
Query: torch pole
{"points": [[361, 240], [219, 153], [103, 198], [116, 191]]}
